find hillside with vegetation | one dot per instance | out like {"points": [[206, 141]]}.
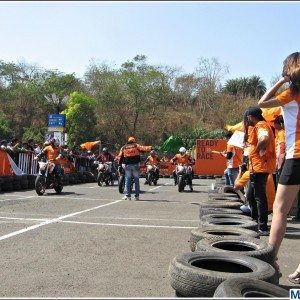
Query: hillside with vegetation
{"points": [[148, 101]]}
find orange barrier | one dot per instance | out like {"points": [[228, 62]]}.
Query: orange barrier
{"points": [[5, 168], [207, 162]]}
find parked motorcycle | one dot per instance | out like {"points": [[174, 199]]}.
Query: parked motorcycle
{"points": [[184, 177], [104, 173], [46, 178], [152, 174], [121, 179]]}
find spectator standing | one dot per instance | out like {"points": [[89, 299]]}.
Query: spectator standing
{"points": [[289, 181], [261, 164]]}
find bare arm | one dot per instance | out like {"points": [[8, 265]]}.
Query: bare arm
{"points": [[268, 99]]}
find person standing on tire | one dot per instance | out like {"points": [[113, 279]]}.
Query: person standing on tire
{"points": [[262, 161], [130, 156], [289, 180]]}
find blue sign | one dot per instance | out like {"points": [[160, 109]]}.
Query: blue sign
{"points": [[56, 120]]}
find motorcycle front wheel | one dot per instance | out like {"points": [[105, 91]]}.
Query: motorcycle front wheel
{"points": [[40, 185], [100, 179], [121, 184], [181, 184], [58, 189]]}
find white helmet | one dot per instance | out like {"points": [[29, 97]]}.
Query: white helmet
{"points": [[182, 150]]}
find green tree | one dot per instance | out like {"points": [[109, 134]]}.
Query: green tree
{"points": [[81, 118], [5, 128]]}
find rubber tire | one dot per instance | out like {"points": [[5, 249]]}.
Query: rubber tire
{"points": [[37, 181], [58, 189], [248, 224], [210, 217], [189, 279], [203, 232], [121, 184], [249, 288], [220, 204], [180, 184], [215, 210], [259, 249]]}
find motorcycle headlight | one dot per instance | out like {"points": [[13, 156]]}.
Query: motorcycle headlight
{"points": [[42, 166]]}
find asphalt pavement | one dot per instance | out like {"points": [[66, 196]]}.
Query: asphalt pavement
{"points": [[88, 242]]}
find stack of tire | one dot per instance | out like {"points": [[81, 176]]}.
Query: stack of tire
{"points": [[225, 247]]}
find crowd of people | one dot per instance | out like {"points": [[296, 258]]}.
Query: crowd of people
{"points": [[267, 168]]}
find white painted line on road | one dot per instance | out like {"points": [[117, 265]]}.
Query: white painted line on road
{"points": [[23, 219], [21, 198], [129, 225], [53, 221]]}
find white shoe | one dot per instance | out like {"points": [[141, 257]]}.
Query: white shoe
{"points": [[136, 198], [126, 198]]}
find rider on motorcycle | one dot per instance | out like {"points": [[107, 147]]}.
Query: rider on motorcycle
{"points": [[182, 158], [53, 153], [153, 159], [106, 157]]}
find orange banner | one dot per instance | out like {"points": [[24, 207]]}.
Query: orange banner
{"points": [[5, 168], [207, 162]]}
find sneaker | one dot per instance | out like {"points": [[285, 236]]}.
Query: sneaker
{"points": [[263, 232], [126, 198], [136, 198]]}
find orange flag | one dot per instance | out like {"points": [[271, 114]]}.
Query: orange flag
{"points": [[89, 145]]}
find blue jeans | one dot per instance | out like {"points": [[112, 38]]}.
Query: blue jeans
{"points": [[231, 175], [132, 170]]}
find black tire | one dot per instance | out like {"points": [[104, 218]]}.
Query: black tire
{"points": [[215, 210], [39, 185], [248, 224], [58, 189], [198, 274], [100, 179], [180, 184], [220, 204], [210, 217], [249, 246], [121, 184], [203, 232], [235, 196], [249, 288]]}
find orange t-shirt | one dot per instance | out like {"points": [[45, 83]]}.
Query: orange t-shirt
{"points": [[237, 156], [182, 159], [153, 160], [291, 114], [52, 154], [266, 161], [270, 187]]}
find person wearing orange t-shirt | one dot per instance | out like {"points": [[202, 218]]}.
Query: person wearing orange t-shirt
{"points": [[153, 159], [289, 181], [280, 145], [261, 164]]}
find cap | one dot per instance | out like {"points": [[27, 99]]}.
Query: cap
{"points": [[254, 111]]}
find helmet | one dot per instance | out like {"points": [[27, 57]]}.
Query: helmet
{"points": [[105, 150], [152, 152], [182, 150], [131, 139], [54, 142]]}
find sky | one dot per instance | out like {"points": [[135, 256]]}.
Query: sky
{"points": [[251, 38]]}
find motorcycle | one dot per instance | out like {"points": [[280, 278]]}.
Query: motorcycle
{"points": [[46, 179], [121, 179], [152, 174], [104, 173], [184, 177]]}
